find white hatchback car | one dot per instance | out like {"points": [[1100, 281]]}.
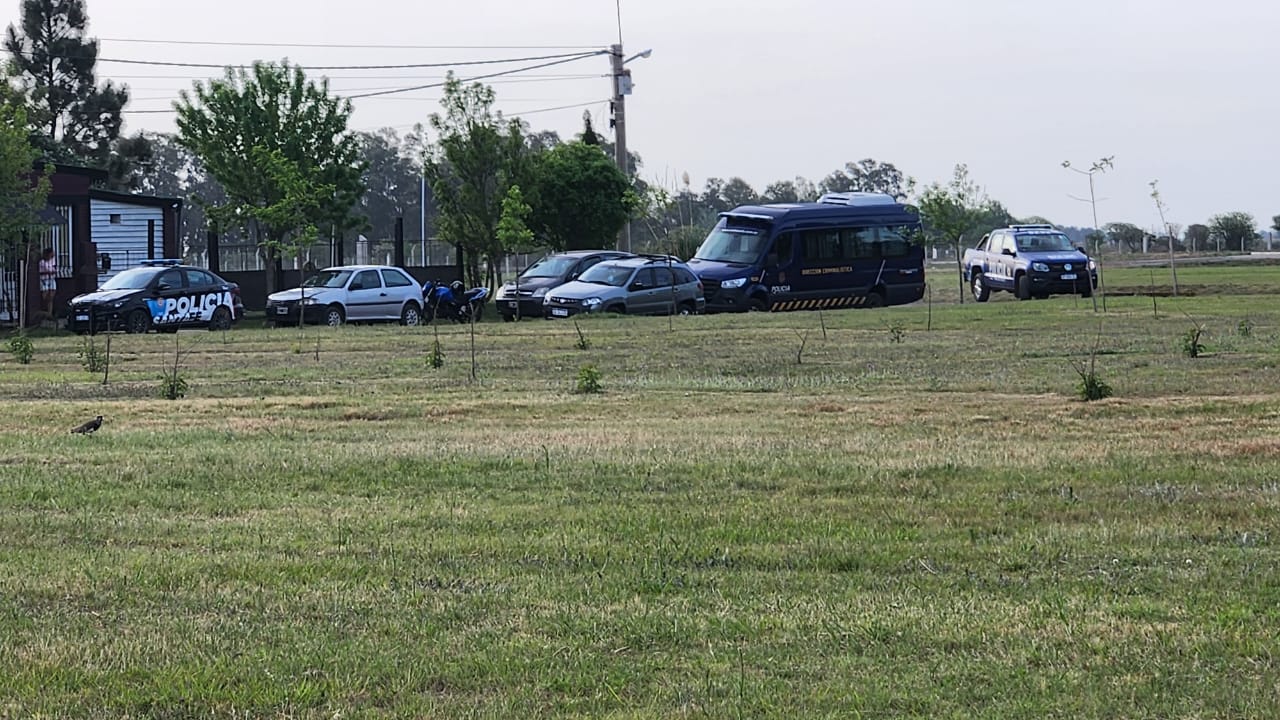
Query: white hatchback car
{"points": [[351, 293]]}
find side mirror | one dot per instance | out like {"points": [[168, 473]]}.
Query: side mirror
{"points": [[1007, 251], [1082, 250], [163, 287], [638, 286]]}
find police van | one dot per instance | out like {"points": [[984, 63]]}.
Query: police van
{"points": [[845, 250]]}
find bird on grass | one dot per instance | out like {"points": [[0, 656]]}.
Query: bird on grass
{"points": [[88, 428]]}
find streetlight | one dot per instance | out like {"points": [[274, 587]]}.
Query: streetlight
{"points": [[1101, 165], [621, 89]]}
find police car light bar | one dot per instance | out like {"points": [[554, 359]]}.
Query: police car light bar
{"points": [[163, 262], [1040, 226]]}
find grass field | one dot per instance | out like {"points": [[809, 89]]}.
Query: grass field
{"points": [[937, 527]]}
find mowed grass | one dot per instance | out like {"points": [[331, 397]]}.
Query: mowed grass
{"points": [[927, 528]]}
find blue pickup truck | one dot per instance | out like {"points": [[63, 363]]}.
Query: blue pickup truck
{"points": [[1029, 261]]}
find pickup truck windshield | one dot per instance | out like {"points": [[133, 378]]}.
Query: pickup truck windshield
{"points": [[1044, 242], [740, 246]]}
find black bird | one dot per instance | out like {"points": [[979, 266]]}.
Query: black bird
{"points": [[90, 427]]}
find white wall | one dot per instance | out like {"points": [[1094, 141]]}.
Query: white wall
{"points": [[126, 241]]}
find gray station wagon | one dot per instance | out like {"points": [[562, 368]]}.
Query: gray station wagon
{"points": [[644, 285]]}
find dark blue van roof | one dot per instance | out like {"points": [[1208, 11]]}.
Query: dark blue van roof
{"points": [[880, 207]]}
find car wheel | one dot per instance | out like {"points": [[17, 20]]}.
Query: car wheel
{"points": [[138, 322], [508, 318], [410, 316], [1087, 292], [981, 293], [1022, 287], [758, 304], [221, 319], [685, 309], [616, 310], [874, 300], [334, 316]]}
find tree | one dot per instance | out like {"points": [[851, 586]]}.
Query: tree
{"points": [[272, 110], [1197, 237], [513, 231], [74, 119], [1234, 230], [869, 176], [24, 188], [393, 184], [477, 157], [1125, 236], [960, 212], [1275, 223], [584, 200], [175, 171]]}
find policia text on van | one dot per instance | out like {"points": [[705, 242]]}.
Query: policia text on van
{"points": [[846, 250]]}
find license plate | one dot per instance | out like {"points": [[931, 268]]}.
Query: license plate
{"points": [[1069, 276], [512, 304], [82, 318], [559, 312], [282, 310]]}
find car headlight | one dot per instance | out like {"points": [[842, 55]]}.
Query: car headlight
{"points": [[733, 284], [309, 301], [117, 305], [1093, 264], [1040, 267], [592, 301], [540, 292]]}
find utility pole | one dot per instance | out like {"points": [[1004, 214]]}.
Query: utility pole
{"points": [[621, 88]]}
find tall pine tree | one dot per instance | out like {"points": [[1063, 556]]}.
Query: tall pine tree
{"points": [[73, 118]]}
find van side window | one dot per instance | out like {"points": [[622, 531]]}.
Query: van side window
{"points": [[821, 245], [893, 244], [861, 243], [782, 248]]}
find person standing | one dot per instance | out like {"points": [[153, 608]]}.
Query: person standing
{"points": [[48, 282]]}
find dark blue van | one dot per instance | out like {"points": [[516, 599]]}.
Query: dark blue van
{"points": [[846, 250]]}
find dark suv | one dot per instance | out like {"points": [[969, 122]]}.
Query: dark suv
{"points": [[523, 298], [645, 285], [160, 295]]}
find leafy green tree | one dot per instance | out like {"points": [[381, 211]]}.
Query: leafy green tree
{"points": [[869, 176], [475, 160], [1235, 230], [584, 199], [1197, 237], [959, 213], [393, 184], [1125, 236], [274, 109], [23, 187], [73, 117], [513, 230], [1275, 223]]}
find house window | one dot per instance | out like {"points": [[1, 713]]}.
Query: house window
{"points": [[115, 218]]}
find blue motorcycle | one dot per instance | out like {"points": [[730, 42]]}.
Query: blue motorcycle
{"points": [[451, 302]]}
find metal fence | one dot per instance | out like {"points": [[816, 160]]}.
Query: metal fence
{"points": [[244, 257]]}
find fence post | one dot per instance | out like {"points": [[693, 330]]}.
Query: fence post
{"points": [[398, 251], [151, 239], [211, 247]]}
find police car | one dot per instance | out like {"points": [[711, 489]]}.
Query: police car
{"points": [[162, 295]]}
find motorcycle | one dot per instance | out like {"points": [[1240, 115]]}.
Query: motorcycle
{"points": [[450, 302]]}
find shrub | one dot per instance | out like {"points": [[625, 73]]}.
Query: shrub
{"points": [[22, 349], [173, 386], [1191, 345], [589, 380], [583, 343], [435, 358], [92, 358], [897, 332]]}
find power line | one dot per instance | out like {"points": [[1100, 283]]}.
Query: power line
{"points": [[355, 46], [526, 78], [478, 77], [403, 66]]}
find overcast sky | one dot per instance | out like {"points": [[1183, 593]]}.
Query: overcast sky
{"points": [[1187, 93]]}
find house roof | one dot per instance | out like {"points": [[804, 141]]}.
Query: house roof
{"points": [[131, 199]]}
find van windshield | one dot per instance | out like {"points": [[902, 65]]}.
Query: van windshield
{"points": [[734, 246]]}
